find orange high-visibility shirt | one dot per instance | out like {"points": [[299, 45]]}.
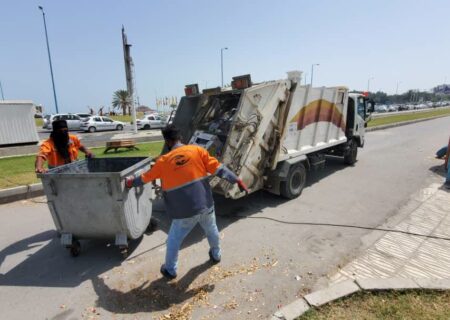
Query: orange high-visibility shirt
{"points": [[181, 166], [50, 154]]}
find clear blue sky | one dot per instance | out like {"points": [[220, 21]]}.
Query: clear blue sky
{"points": [[178, 42]]}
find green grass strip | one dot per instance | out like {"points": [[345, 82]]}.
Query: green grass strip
{"points": [[18, 171]]}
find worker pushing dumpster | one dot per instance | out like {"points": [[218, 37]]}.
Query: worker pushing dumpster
{"points": [[88, 200]]}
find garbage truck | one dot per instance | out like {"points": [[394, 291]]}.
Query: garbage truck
{"points": [[272, 133]]}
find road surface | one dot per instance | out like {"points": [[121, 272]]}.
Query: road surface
{"points": [[266, 264]]}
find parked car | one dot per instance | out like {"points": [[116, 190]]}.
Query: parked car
{"points": [[84, 115], [150, 122], [73, 121], [97, 123]]}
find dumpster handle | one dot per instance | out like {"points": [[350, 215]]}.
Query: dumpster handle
{"points": [[53, 187], [109, 186]]}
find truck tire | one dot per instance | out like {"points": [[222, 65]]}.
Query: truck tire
{"points": [[351, 153], [295, 182]]}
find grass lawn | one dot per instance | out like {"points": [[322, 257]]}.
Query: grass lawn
{"points": [[17, 171], [127, 118], [392, 305], [408, 117]]}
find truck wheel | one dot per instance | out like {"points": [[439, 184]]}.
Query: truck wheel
{"points": [[351, 153], [75, 248], [295, 182]]}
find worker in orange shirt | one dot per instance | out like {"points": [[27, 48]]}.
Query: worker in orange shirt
{"points": [[184, 172], [61, 148]]}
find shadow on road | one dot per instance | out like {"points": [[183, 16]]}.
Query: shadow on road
{"points": [[229, 211], [52, 266], [439, 169], [147, 297]]}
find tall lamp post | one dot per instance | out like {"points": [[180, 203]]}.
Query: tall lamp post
{"points": [[312, 71], [368, 83], [1, 90], [49, 59], [221, 62]]}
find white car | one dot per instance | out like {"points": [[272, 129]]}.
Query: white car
{"points": [[97, 123], [151, 121], [73, 121]]}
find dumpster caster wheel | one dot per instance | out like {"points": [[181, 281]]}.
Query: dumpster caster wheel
{"points": [[124, 252], [75, 248]]}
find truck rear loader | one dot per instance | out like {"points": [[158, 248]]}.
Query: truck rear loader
{"points": [[272, 133]]}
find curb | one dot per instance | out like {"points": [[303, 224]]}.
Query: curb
{"points": [[403, 123], [342, 289], [20, 193]]}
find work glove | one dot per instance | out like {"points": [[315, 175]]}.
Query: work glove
{"points": [[242, 186], [90, 155], [131, 182]]}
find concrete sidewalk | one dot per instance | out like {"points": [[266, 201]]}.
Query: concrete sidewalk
{"points": [[397, 260]]}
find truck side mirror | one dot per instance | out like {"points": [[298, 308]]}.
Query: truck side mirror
{"points": [[370, 106]]}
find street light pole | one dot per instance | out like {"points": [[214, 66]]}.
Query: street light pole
{"points": [[396, 89], [312, 71], [221, 62], [1, 89], [49, 59], [368, 84]]}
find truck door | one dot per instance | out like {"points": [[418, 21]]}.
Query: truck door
{"points": [[360, 118]]}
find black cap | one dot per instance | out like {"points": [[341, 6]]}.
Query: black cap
{"points": [[59, 124]]}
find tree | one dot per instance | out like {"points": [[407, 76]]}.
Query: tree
{"points": [[121, 100]]}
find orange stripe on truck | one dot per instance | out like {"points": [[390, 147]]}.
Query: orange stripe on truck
{"points": [[319, 111]]}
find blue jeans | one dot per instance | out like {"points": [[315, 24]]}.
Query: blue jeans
{"points": [[180, 228]]}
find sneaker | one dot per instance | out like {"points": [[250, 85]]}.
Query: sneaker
{"points": [[212, 259], [166, 273]]}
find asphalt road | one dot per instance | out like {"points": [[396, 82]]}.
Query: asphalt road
{"points": [[266, 264]]}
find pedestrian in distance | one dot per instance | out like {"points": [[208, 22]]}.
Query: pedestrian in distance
{"points": [[61, 148], [188, 199]]}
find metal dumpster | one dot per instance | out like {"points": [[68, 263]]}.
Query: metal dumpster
{"points": [[88, 200]]}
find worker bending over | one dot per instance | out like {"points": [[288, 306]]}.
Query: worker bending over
{"points": [[61, 148], [187, 195]]}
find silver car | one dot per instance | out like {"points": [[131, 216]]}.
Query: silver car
{"points": [[97, 123]]}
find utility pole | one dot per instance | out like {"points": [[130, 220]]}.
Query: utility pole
{"points": [[396, 89], [129, 76], [49, 59]]}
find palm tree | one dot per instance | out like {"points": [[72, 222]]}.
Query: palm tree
{"points": [[121, 100]]}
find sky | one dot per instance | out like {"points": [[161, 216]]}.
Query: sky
{"points": [[176, 42]]}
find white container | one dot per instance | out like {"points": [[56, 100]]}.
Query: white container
{"points": [[17, 125]]}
